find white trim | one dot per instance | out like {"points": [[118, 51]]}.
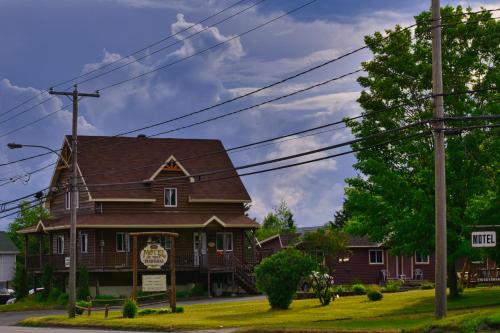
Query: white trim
{"points": [[224, 241], [269, 239], [160, 169], [81, 234], [121, 200], [124, 242], [370, 258], [216, 219], [191, 200], [59, 237], [165, 196], [421, 262]]}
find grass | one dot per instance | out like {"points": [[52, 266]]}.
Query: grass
{"points": [[412, 311], [28, 304]]}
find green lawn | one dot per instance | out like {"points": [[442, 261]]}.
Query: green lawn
{"points": [[409, 310], [28, 304]]}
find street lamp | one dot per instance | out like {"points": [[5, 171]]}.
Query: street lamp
{"points": [[14, 145]]}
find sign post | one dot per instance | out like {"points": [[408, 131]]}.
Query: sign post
{"points": [[154, 256]]}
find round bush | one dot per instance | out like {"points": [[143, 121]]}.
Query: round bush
{"points": [[279, 276], [129, 308], [358, 288], [374, 295]]}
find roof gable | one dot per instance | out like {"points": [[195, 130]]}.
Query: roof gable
{"points": [[171, 164]]}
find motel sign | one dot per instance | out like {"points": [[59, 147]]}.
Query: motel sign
{"points": [[484, 239]]}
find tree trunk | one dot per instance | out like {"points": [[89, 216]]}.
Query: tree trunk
{"points": [[452, 279]]}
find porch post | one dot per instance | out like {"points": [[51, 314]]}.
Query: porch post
{"points": [[173, 291], [25, 251], [209, 291], [51, 250], [40, 247], [134, 267]]}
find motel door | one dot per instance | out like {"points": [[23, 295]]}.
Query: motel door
{"points": [[200, 249]]}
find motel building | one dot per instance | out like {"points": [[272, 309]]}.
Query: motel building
{"points": [[216, 243]]}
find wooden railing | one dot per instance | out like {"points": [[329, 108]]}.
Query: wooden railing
{"points": [[123, 260]]}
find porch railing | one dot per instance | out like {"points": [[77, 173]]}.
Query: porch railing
{"points": [[123, 260]]}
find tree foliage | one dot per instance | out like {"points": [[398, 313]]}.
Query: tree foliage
{"points": [[280, 220], [21, 282], [325, 243], [392, 199], [83, 287], [279, 275], [27, 217]]}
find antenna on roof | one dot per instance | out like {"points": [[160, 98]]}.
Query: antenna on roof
{"points": [[142, 136]]}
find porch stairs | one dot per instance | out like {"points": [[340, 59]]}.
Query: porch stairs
{"points": [[244, 276]]}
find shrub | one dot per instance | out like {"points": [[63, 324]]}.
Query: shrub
{"points": [[129, 308], [81, 304], [20, 282], [279, 275], [427, 285], [54, 295], [179, 309], [145, 312], [40, 297], [164, 310], [47, 277], [393, 285], [358, 288], [83, 290], [322, 283], [341, 289], [197, 290], [182, 294], [374, 295], [62, 300]]}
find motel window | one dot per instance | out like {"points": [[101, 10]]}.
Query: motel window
{"points": [[165, 242], [170, 197], [67, 200], [376, 256], [224, 241], [60, 244], [421, 258], [84, 242], [122, 242]]}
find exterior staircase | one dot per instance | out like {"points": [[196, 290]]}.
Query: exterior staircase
{"points": [[244, 276]]}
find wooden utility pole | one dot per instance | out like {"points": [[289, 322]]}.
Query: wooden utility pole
{"points": [[75, 95], [439, 164]]}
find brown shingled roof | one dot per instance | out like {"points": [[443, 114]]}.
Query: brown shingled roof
{"points": [[160, 220], [129, 159]]}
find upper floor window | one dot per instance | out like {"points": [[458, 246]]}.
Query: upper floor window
{"points": [[376, 256], [224, 241], [122, 242], [60, 244], [421, 258], [170, 197], [84, 242], [67, 200]]}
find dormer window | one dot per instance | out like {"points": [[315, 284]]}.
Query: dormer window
{"points": [[170, 197]]}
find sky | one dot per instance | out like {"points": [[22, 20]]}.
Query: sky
{"points": [[44, 43]]}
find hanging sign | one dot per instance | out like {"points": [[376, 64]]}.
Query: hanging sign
{"points": [[154, 283], [484, 239], [153, 256]]}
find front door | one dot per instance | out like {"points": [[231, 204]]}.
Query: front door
{"points": [[200, 249]]}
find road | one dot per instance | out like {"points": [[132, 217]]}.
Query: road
{"points": [[9, 319]]}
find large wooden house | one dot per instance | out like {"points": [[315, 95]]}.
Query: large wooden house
{"points": [[170, 189]]}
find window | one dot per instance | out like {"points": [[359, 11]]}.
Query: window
{"points": [[60, 244], [170, 197], [165, 242], [84, 242], [122, 242], [224, 241], [421, 258], [67, 200], [376, 256]]}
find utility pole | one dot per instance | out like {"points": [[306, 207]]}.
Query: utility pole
{"points": [[439, 164], [75, 95]]}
